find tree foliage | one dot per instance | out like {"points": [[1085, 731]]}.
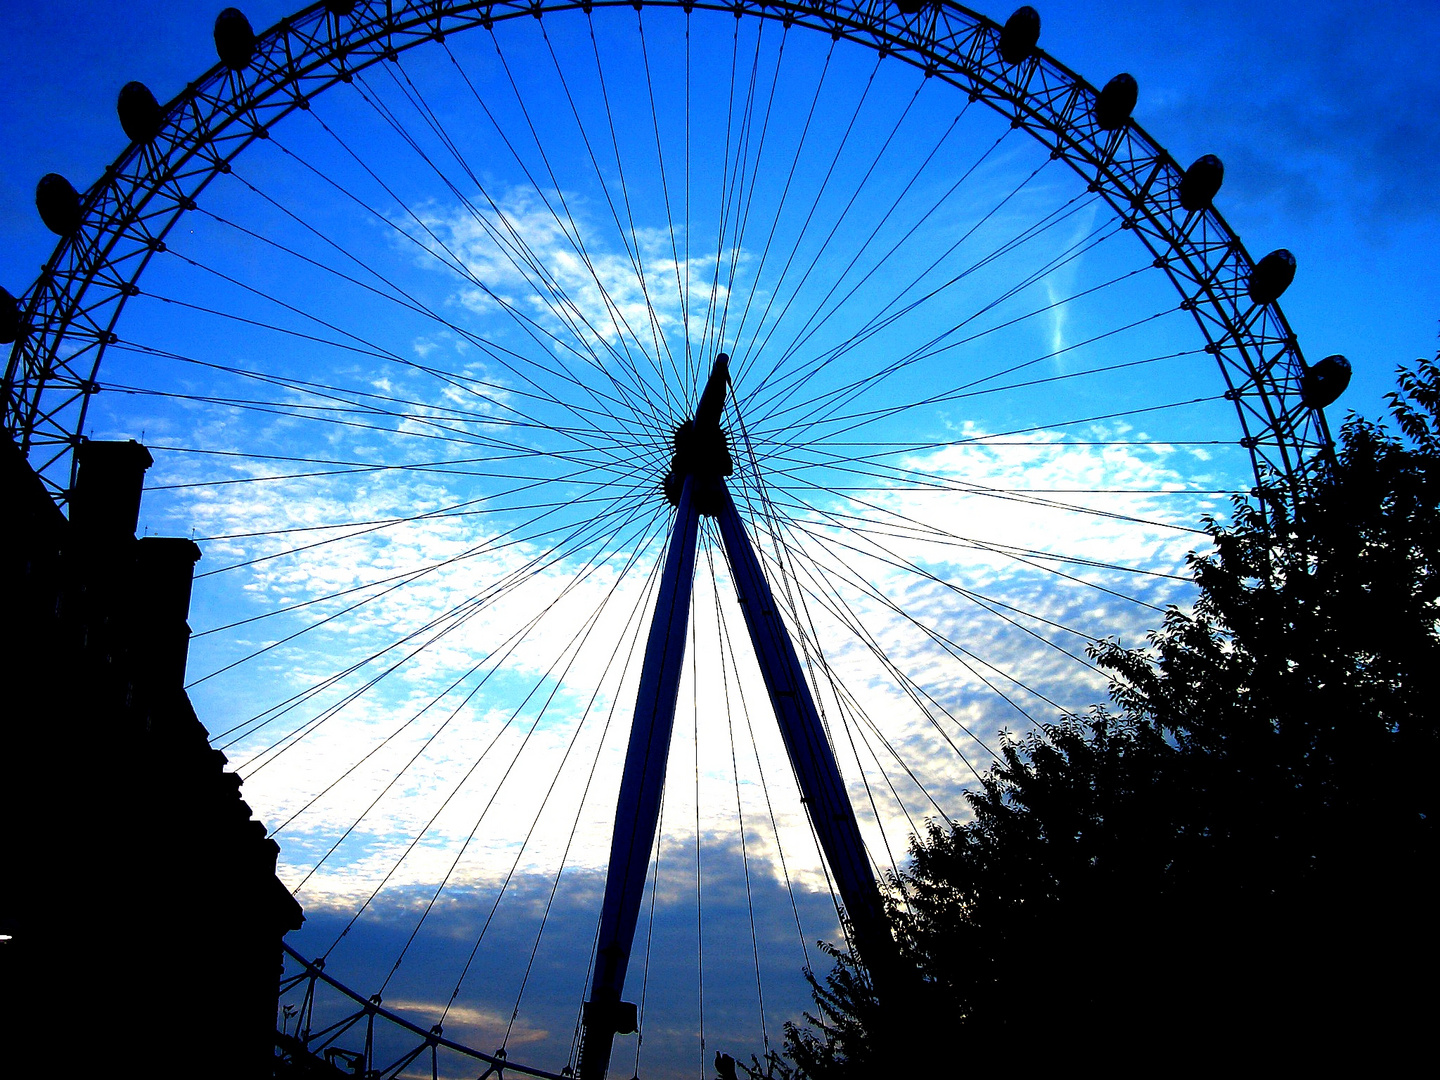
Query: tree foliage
{"points": [[1234, 855]]}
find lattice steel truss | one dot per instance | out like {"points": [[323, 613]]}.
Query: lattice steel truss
{"points": [[333, 1024]]}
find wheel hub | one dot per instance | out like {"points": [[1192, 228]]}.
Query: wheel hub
{"points": [[702, 447]]}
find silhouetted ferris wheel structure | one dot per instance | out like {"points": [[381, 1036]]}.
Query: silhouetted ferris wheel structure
{"points": [[694, 439]]}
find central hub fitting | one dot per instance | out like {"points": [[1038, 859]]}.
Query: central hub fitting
{"points": [[702, 449]]}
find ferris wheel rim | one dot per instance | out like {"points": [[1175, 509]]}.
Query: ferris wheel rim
{"points": [[46, 397]]}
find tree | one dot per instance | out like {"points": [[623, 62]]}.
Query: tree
{"points": [[1232, 857]]}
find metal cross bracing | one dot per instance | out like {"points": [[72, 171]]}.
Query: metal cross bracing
{"points": [[70, 314], [314, 1030], [698, 470]]}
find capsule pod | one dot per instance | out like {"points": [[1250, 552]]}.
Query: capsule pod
{"points": [[339, 7], [1020, 35], [1201, 182], [140, 114], [911, 7], [1271, 277], [1116, 102], [234, 39], [1325, 381], [58, 203], [9, 317]]}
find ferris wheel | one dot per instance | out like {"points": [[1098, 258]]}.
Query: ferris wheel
{"points": [[738, 414]]}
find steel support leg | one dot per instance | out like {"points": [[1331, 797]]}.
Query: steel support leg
{"points": [[638, 811], [821, 788]]}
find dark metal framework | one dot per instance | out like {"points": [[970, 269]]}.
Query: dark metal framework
{"points": [[701, 478], [407, 1054], [71, 313]]}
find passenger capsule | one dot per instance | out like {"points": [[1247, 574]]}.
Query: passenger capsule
{"points": [[1325, 381], [1116, 102], [1020, 35], [339, 7], [58, 203], [1201, 182], [140, 114], [234, 39], [911, 7], [1271, 277], [9, 317]]}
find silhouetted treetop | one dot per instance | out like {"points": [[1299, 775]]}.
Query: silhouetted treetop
{"points": [[1234, 855]]}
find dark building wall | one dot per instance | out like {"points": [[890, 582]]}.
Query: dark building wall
{"points": [[140, 896]]}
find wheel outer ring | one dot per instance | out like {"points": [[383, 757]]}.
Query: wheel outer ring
{"points": [[72, 310]]}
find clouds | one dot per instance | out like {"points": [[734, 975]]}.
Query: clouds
{"points": [[528, 654], [662, 972], [518, 250], [1363, 141], [1316, 110]]}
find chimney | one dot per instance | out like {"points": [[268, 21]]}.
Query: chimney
{"points": [[164, 572], [105, 502]]}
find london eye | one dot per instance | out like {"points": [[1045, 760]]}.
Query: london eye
{"points": [[647, 457]]}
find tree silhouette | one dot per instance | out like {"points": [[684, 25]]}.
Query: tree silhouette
{"points": [[1232, 861]]}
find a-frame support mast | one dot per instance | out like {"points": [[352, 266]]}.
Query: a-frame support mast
{"points": [[822, 789], [696, 485], [637, 812]]}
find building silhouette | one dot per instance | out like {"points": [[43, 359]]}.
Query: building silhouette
{"points": [[138, 896]]}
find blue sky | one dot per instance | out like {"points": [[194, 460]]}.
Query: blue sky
{"points": [[910, 565]]}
